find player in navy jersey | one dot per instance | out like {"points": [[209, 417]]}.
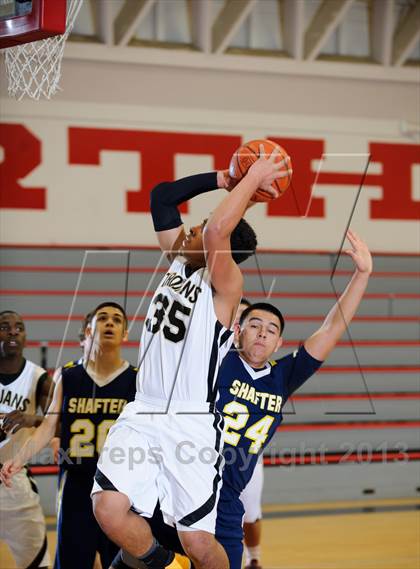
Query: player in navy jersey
{"points": [[253, 392], [254, 389], [88, 397]]}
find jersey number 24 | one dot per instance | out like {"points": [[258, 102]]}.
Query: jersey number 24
{"points": [[236, 418]]}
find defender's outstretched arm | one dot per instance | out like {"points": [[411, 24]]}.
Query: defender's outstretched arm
{"points": [[323, 341]]}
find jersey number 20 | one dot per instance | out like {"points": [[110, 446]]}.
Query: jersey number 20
{"points": [[88, 437]]}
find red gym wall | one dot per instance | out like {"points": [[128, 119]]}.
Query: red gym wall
{"points": [[81, 174]]}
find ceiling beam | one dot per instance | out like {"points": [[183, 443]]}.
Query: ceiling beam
{"points": [[129, 19], [201, 12], [232, 15], [293, 27], [159, 22], [382, 26], [406, 35], [254, 66], [93, 9], [105, 22], [326, 19]]}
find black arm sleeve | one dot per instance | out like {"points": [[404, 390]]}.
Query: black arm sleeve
{"points": [[165, 197]]}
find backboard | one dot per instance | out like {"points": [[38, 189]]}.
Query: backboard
{"points": [[23, 21]]}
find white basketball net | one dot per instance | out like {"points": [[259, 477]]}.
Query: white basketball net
{"points": [[34, 69]]}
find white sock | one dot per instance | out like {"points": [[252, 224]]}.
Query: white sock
{"points": [[252, 553]]}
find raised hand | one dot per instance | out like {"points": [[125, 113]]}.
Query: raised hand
{"points": [[267, 170], [360, 253]]}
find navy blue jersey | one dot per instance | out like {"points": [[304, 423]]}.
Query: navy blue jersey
{"points": [[252, 402], [88, 411]]}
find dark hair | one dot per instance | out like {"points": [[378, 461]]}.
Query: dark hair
{"points": [[243, 242], [263, 306], [113, 305], [245, 301], [3, 312], [86, 321]]}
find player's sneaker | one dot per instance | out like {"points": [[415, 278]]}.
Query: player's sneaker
{"points": [[180, 562], [253, 565]]}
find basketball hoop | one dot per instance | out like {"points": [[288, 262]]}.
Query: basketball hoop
{"points": [[33, 69]]}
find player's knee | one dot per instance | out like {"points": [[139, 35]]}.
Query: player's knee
{"points": [[200, 546], [109, 508]]}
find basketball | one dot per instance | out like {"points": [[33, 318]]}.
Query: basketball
{"points": [[249, 153]]}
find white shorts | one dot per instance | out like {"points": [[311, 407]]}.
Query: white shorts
{"points": [[171, 457], [252, 494], [22, 523]]}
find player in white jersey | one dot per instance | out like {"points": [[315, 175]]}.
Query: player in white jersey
{"points": [[24, 387], [186, 333]]}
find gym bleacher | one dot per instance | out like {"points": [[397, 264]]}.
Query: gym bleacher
{"points": [[351, 431]]}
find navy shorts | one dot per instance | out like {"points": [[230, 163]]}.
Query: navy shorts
{"points": [[79, 536], [234, 549]]}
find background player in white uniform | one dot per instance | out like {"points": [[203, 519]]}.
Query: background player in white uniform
{"points": [[251, 497], [186, 334], [24, 387]]}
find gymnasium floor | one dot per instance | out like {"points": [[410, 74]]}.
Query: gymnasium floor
{"points": [[374, 534]]}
